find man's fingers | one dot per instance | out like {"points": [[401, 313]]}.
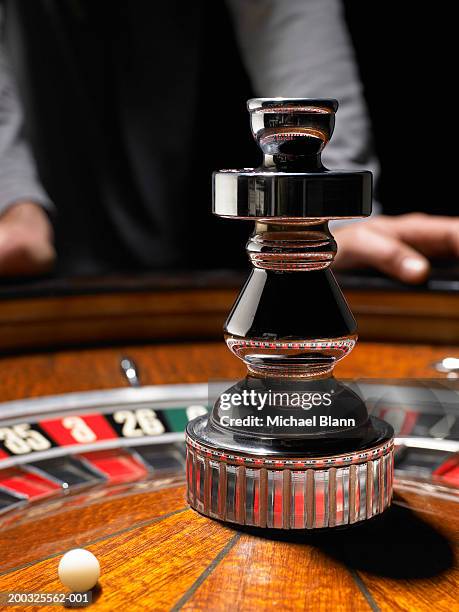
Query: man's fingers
{"points": [[5, 243], [26, 246], [360, 246], [434, 236]]}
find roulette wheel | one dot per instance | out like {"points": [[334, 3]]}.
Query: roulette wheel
{"points": [[105, 470], [87, 461]]}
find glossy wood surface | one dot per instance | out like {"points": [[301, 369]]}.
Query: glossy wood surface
{"points": [[48, 373], [85, 319], [177, 559], [404, 316], [168, 313], [156, 554]]}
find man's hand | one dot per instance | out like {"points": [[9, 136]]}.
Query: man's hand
{"points": [[26, 241], [398, 246]]}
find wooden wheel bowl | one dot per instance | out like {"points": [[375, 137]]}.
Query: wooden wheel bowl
{"points": [[157, 554]]}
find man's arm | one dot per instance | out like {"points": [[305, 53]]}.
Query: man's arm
{"points": [[25, 231]]}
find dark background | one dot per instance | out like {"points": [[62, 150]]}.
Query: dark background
{"points": [[405, 56]]}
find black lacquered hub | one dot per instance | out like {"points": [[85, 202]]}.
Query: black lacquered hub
{"points": [[290, 330]]}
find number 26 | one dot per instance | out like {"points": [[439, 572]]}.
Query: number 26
{"points": [[141, 422]]}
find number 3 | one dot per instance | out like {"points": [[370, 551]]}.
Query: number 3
{"points": [[79, 430]]}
